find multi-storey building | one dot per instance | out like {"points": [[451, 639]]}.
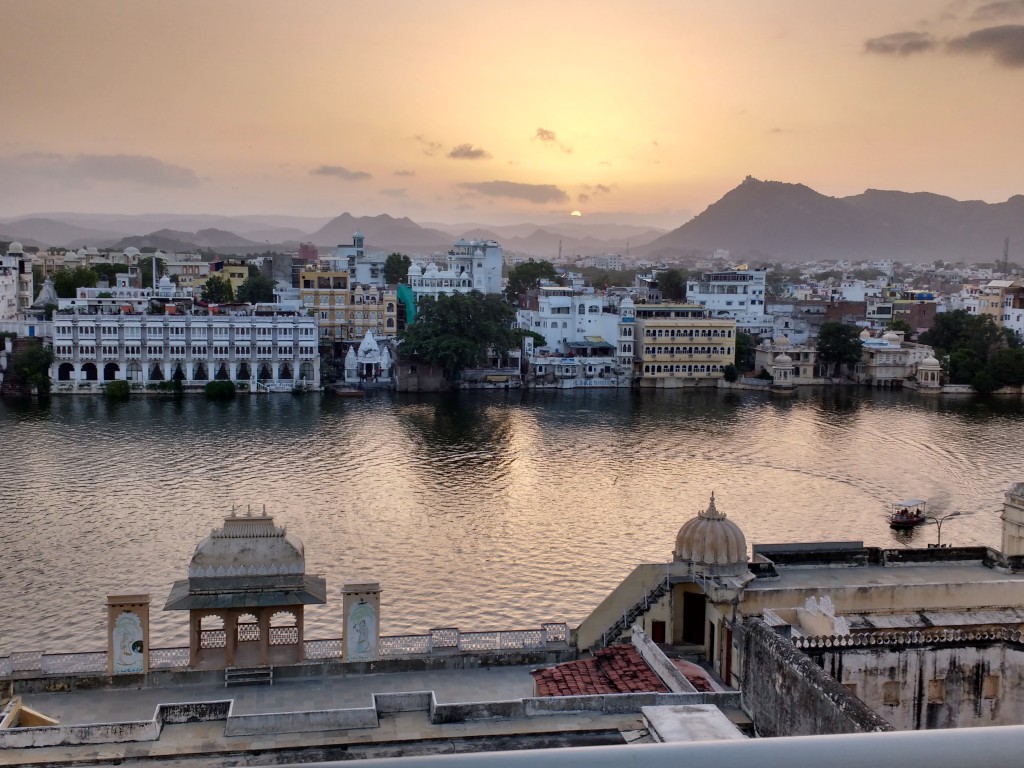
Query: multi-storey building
{"points": [[346, 311], [264, 350], [734, 293], [680, 345], [471, 266], [15, 282]]}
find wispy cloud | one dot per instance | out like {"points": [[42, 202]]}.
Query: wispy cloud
{"points": [[429, 147], [550, 138], [1005, 44], [405, 173], [400, 192], [533, 193], [116, 169], [469, 152], [901, 44], [999, 10], [341, 172]]}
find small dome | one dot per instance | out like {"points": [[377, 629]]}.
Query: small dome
{"points": [[865, 335], [131, 251], [929, 362], [14, 248], [783, 359], [891, 336], [781, 341], [710, 539]]}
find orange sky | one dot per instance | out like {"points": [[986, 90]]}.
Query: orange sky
{"points": [[498, 111]]}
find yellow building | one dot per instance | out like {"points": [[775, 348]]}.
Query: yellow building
{"points": [[679, 345], [346, 311]]}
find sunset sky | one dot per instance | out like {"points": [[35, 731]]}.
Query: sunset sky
{"points": [[501, 112]]}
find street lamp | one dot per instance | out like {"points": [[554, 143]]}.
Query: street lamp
{"points": [[940, 519]]}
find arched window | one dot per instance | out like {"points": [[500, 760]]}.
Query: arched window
{"points": [[248, 629], [65, 371], [211, 632], [284, 629]]}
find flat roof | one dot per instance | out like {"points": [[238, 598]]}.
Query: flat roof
{"points": [[825, 577]]}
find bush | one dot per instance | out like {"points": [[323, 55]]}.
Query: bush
{"points": [[765, 375], [730, 373], [117, 390], [220, 390]]}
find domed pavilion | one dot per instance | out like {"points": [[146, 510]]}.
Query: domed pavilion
{"points": [[712, 544], [246, 588]]}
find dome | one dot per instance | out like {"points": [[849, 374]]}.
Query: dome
{"points": [[131, 251], [713, 541], [865, 335], [892, 337], [781, 341], [248, 546], [14, 248], [929, 362], [783, 359]]}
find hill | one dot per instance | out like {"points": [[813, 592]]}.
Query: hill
{"points": [[382, 233], [772, 220]]}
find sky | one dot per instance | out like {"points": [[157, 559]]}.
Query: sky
{"points": [[639, 111]]}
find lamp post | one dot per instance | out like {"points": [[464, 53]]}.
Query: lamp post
{"points": [[940, 519]]}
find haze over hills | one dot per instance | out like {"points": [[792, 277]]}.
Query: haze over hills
{"points": [[758, 220], [774, 221]]}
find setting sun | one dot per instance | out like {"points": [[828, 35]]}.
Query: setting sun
{"points": [[575, 213]]}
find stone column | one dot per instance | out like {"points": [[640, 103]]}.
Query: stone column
{"points": [[361, 613], [127, 634], [1013, 521]]}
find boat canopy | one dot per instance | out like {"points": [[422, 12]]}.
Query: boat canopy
{"points": [[909, 503]]}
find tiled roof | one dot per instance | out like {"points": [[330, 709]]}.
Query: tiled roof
{"points": [[698, 677], [618, 669]]}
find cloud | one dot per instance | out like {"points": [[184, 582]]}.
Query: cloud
{"points": [[405, 173], [1004, 44], [593, 190], [582, 197], [550, 138], [469, 152], [131, 169], [900, 44], [429, 147], [533, 193], [998, 10], [341, 172], [400, 192]]}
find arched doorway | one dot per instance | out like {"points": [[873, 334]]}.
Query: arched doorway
{"points": [[156, 373], [222, 373], [265, 372], [179, 373], [65, 372], [89, 372], [306, 371], [134, 372], [200, 373], [244, 374], [285, 372], [110, 371]]}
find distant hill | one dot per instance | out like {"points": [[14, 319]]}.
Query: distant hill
{"points": [[382, 233], [56, 233], [773, 220]]}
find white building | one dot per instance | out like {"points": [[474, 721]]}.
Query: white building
{"points": [[16, 290], [733, 293], [472, 265], [265, 351]]}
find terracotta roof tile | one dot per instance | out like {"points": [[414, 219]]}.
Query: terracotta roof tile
{"points": [[617, 669]]}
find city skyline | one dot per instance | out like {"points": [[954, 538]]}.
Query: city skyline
{"points": [[451, 111]]}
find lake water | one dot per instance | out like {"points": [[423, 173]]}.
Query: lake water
{"points": [[481, 510]]}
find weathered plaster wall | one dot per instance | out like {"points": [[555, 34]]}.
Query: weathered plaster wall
{"points": [[787, 694], [937, 686]]}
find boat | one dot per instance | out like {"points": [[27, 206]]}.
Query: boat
{"points": [[908, 513]]}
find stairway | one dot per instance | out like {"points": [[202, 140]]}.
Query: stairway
{"points": [[623, 624], [241, 675]]}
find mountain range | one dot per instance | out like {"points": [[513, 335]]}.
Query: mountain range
{"points": [[772, 221], [756, 221]]}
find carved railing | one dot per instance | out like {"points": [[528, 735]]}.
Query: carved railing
{"points": [[913, 637], [441, 641]]}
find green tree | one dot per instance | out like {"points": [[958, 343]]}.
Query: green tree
{"points": [[109, 272], [672, 283], [396, 268], [146, 270], [900, 325], [217, 290], [69, 279], [457, 331], [745, 344], [838, 344], [30, 367], [527, 275], [1007, 367], [257, 288]]}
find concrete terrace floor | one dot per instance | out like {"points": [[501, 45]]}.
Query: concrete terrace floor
{"points": [[317, 693], [204, 744]]}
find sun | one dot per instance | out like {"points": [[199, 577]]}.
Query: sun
{"points": [[575, 213]]}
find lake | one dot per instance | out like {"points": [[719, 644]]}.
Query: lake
{"points": [[478, 510]]}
